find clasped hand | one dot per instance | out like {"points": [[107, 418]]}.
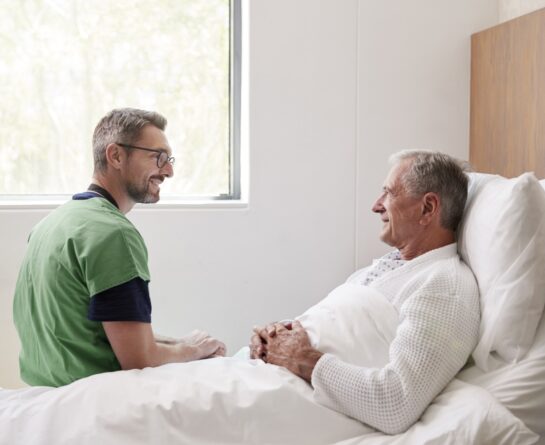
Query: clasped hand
{"points": [[287, 345]]}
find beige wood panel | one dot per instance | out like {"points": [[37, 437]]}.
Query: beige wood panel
{"points": [[507, 125]]}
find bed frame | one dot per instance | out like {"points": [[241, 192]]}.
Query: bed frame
{"points": [[507, 124]]}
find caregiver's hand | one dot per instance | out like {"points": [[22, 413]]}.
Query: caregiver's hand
{"points": [[201, 345]]}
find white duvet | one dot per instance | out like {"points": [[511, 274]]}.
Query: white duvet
{"points": [[234, 401]]}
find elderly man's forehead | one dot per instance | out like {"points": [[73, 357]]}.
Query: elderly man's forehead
{"points": [[396, 173]]}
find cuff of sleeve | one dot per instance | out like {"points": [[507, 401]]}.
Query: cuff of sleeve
{"points": [[318, 370], [324, 372]]}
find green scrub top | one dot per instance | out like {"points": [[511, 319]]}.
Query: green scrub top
{"points": [[80, 249]]}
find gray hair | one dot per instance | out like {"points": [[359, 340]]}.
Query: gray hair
{"points": [[121, 125], [432, 171]]}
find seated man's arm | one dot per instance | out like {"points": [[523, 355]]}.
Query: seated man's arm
{"points": [[125, 313], [135, 346], [165, 340], [192, 338], [432, 343]]}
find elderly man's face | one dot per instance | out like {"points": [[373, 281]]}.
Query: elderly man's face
{"points": [[400, 212]]}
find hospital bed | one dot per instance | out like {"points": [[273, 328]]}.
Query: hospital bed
{"points": [[498, 398]]}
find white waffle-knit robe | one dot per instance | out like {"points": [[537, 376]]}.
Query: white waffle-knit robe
{"points": [[437, 298]]}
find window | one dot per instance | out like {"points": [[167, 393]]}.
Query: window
{"points": [[66, 63]]}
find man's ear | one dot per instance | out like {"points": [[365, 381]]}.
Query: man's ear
{"points": [[114, 155], [430, 207]]}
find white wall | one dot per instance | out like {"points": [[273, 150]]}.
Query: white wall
{"points": [[336, 86], [510, 9]]}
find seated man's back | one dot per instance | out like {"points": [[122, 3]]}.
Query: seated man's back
{"points": [[77, 251]]}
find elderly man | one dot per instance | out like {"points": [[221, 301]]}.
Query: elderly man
{"points": [[434, 292], [81, 302]]}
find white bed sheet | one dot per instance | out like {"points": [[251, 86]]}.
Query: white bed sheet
{"points": [[520, 387], [233, 401]]}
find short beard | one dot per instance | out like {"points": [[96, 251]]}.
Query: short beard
{"points": [[141, 194]]}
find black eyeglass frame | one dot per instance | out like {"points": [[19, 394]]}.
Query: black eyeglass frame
{"points": [[170, 159]]}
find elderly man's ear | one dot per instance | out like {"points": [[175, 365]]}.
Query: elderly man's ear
{"points": [[430, 208]]}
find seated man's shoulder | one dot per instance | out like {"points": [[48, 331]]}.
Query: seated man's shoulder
{"points": [[106, 221], [103, 234]]}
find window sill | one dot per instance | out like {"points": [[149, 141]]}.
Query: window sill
{"points": [[34, 203]]}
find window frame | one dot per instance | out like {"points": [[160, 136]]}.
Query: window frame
{"points": [[232, 199]]}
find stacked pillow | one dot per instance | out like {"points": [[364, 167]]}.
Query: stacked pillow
{"points": [[502, 239]]}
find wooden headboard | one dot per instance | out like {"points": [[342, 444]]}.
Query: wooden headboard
{"points": [[507, 124]]}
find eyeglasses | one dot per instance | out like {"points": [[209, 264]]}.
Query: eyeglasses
{"points": [[162, 156]]}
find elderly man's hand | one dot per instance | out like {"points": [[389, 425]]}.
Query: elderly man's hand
{"points": [[258, 343], [287, 346]]}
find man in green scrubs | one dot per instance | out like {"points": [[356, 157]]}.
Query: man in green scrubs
{"points": [[82, 303]]}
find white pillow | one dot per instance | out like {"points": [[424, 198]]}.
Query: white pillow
{"points": [[502, 239], [520, 387]]}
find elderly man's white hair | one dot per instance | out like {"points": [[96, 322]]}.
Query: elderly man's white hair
{"points": [[433, 171]]}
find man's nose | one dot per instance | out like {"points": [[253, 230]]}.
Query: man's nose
{"points": [[377, 206], [168, 170]]}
